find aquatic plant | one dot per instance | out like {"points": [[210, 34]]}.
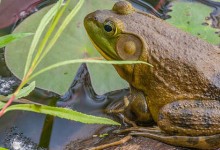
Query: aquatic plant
{"points": [[52, 16]]}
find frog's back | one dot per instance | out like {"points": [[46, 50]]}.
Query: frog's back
{"points": [[182, 63], [185, 62]]}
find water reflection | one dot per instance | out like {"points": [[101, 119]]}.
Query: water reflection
{"points": [[55, 133]]}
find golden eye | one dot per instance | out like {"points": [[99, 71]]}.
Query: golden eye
{"points": [[109, 27]]}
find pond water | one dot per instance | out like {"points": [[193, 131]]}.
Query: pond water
{"points": [[26, 130]]}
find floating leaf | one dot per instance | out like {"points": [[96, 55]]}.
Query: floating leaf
{"points": [[190, 16], [62, 113], [73, 44]]}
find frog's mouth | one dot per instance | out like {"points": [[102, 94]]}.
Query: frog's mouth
{"points": [[107, 56]]}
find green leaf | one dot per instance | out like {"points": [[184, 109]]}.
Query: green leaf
{"points": [[189, 16], [1, 148], [4, 40], [24, 91], [72, 44], [104, 78], [62, 113], [2, 105]]}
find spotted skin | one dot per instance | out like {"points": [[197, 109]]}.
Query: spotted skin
{"points": [[195, 117]]}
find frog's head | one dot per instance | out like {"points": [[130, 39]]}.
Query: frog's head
{"points": [[110, 33]]}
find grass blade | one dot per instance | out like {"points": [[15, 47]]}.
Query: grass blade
{"points": [[4, 40], [44, 22], [24, 91], [49, 32], [86, 61], [62, 113], [62, 27]]}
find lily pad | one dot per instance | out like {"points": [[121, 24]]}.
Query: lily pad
{"points": [[191, 17], [73, 44]]}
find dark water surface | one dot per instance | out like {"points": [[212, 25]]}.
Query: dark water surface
{"points": [[26, 130]]}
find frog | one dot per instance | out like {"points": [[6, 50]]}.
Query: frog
{"points": [[180, 93]]}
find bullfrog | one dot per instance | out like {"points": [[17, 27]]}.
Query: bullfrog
{"points": [[181, 92]]}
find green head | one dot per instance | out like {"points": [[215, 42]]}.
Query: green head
{"points": [[107, 31]]}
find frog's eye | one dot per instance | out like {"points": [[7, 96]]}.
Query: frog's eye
{"points": [[109, 27]]}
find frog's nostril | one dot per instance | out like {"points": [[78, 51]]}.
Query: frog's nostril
{"points": [[88, 17], [95, 18], [91, 17]]}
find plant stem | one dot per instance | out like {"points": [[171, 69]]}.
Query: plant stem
{"points": [[23, 82], [6, 105]]}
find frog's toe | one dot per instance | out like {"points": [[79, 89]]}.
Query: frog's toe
{"points": [[139, 129]]}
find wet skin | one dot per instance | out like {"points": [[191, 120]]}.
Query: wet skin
{"points": [[181, 92]]}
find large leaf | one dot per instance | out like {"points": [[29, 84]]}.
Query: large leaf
{"points": [[73, 44], [190, 17]]}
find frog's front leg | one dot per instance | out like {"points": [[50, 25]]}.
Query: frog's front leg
{"points": [[138, 109], [135, 108], [188, 123]]}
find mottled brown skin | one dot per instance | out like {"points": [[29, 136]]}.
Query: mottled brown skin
{"points": [[181, 92]]}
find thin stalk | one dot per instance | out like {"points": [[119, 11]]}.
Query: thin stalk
{"points": [[12, 98], [7, 104], [22, 84]]}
